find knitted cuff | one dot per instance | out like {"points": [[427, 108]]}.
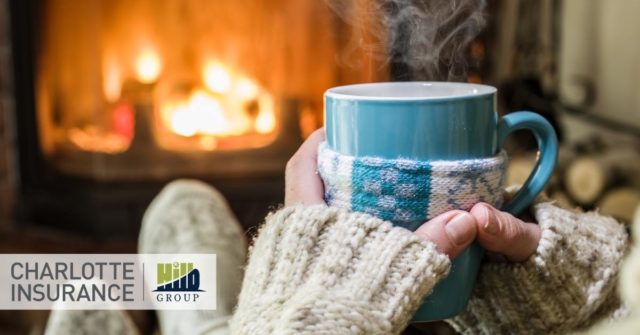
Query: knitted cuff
{"points": [[569, 278], [409, 192], [324, 270]]}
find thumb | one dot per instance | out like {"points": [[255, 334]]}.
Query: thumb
{"points": [[451, 232], [503, 233]]}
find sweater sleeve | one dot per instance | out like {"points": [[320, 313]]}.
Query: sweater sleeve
{"points": [[325, 270], [561, 288]]}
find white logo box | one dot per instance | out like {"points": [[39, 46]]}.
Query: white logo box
{"points": [[108, 281]]}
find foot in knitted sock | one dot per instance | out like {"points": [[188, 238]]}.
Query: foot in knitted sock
{"points": [[81, 322], [191, 217]]}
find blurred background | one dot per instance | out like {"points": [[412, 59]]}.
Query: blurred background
{"points": [[104, 101]]}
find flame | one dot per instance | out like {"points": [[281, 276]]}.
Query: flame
{"points": [[181, 123], [112, 79], [148, 66], [246, 89], [201, 114], [208, 114], [216, 77], [266, 120]]}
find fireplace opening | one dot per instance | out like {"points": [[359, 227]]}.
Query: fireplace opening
{"points": [[115, 98], [124, 88]]}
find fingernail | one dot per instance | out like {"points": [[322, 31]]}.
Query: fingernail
{"points": [[490, 224], [458, 229]]}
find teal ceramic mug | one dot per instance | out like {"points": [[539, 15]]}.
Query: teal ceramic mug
{"points": [[435, 121]]}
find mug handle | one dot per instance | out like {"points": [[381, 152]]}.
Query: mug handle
{"points": [[547, 146]]}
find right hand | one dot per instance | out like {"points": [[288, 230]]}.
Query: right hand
{"points": [[496, 231]]}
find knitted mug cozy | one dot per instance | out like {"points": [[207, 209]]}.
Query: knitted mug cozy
{"points": [[409, 192]]}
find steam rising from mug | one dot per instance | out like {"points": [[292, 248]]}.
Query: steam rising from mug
{"points": [[427, 39]]}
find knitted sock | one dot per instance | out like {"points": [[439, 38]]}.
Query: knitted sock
{"points": [[192, 217], [97, 322], [409, 192]]}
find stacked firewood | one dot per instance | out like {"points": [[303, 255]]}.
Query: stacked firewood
{"points": [[590, 175]]}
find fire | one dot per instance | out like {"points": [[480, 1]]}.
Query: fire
{"points": [[228, 104], [148, 66], [222, 109], [216, 77], [246, 89], [112, 78], [201, 113], [266, 120]]}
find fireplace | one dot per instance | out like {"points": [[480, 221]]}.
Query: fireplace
{"points": [[114, 98]]}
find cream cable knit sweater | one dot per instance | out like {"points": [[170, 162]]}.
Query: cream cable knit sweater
{"points": [[563, 287], [320, 270]]}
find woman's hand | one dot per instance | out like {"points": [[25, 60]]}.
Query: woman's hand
{"points": [[302, 181], [505, 234], [452, 232], [495, 230]]}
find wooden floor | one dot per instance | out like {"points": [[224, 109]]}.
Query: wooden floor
{"points": [[32, 239]]}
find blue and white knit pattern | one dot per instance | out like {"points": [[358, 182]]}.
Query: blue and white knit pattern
{"points": [[409, 192]]}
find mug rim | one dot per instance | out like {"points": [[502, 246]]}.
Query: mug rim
{"points": [[358, 91]]}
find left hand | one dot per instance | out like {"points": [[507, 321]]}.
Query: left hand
{"points": [[495, 230], [503, 233]]}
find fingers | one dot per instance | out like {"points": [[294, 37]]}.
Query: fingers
{"points": [[452, 232], [302, 182], [495, 230], [503, 233]]}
